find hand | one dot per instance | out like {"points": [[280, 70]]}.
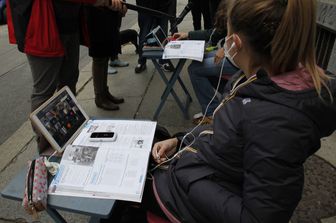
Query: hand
{"points": [[163, 149], [116, 5], [219, 56], [180, 36]]}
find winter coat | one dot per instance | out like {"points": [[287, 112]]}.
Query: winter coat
{"points": [[212, 36], [248, 166], [104, 38], [19, 17]]}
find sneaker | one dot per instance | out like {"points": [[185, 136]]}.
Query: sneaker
{"points": [[140, 68], [111, 70], [167, 67], [198, 115], [118, 63]]}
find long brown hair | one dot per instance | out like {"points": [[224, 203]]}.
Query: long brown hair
{"points": [[220, 17], [281, 33]]}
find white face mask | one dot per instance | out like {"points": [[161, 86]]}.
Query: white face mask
{"points": [[228, 49]]}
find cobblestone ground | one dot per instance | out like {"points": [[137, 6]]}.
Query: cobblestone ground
{"points": [[319, 195]]}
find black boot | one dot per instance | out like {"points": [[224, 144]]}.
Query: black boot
{"points": [[104, 103], [99, 73], [114, 99]]}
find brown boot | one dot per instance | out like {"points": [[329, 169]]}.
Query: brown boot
{"points": [[114, 99], [99, 73], [104, 103]]}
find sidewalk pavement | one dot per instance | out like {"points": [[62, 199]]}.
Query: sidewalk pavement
{"points": [[142, 94]]}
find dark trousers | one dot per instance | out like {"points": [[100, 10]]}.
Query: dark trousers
{"points": [[146, 24], [172, 11], [52, 73], [213, 5], [129, 212], [201, 8]]}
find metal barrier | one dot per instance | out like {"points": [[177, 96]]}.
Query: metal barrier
{"points": [[325, 40]]}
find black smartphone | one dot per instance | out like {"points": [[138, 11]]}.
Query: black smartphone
{"points": [[103, 136]]}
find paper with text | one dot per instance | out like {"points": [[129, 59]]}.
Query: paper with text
{"points": [[111, 170], [184, 49]]}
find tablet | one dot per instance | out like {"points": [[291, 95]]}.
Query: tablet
{"points": [[60, 119], [160, 37]]}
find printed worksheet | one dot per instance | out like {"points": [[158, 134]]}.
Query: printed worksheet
{"points": [[187, 49], [110, 169]]}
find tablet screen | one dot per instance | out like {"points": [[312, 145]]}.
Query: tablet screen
{"points": [[160, 35], [61, 118]]}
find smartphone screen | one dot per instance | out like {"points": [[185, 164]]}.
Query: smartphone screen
{"points": [[102, 135]]}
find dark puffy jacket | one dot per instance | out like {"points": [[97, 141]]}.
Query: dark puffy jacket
{"points": [[211, 35], [104, 38], [248, 168]]}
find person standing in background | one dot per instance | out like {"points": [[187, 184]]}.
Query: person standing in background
{"points": [[114, 59], [148, 22], [213, 5], [205, 75], [104, 43], [172, 11], [200, 8], [53, 64]]}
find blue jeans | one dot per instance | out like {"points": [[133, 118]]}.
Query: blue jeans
{"points": [[200, 72]]}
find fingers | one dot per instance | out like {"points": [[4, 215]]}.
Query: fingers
{"points": [[159, 152], [116, 5], [176, 35], [158, 156], [216, 60], [163, 149], [180, 36], [219, 57], [155, 151]]}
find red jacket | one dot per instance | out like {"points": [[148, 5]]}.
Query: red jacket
{"points": [[32, 26]]}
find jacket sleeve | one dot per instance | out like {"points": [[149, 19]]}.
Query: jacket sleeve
{"points": [[273, 177], [200, 34], [215, 35]]}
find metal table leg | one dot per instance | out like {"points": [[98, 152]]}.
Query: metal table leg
{"points": [[169, 89], [55, 215]]}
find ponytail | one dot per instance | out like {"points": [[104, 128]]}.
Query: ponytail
{"points": [[281, 34], [294, 41]]}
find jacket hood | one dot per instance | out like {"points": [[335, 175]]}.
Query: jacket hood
{"points": [[321, 111]]}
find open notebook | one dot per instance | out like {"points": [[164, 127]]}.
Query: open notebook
{"points": [[113, 169]]}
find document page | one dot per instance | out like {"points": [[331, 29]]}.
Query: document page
{"points": [[187, 49], [130, 134], [110, 170]]}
